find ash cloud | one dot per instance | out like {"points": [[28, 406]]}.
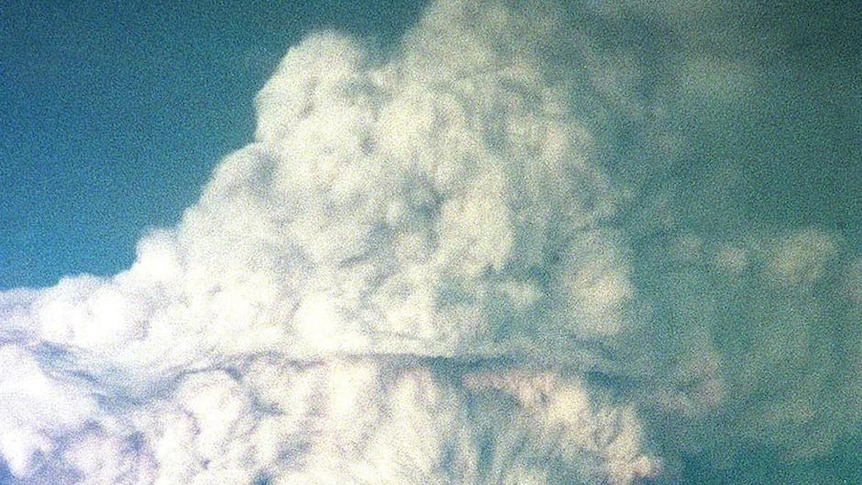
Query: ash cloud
{"points": [[473, 260]]}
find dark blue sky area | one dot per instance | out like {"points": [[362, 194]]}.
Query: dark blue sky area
{"points": [[112, 114]]}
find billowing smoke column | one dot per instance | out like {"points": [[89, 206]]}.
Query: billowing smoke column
{"points": [[422, 271]]}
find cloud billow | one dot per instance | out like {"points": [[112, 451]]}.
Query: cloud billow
{"points": [[429, 267]]}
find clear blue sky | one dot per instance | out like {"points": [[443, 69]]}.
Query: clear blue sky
{"points": [[112, 114]]}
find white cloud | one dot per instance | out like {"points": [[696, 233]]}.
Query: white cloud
{"points": [[440, 268], [35, 409]]}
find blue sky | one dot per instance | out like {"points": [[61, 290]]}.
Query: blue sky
{"points": [[113, 115]]}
